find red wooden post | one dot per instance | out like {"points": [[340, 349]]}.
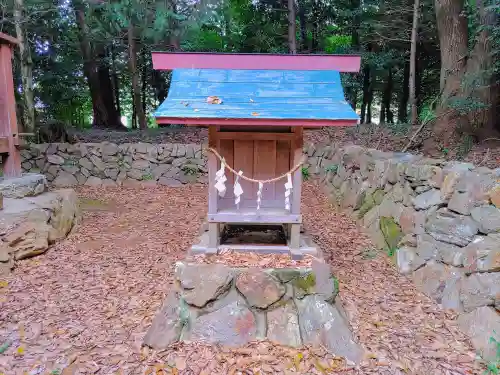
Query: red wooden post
{"points": [[9, 138]]}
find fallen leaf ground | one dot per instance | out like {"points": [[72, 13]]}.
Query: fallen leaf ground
{"points": [[85, 305]]}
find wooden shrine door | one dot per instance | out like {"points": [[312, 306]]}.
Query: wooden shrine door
{"points": [[260, 154]]}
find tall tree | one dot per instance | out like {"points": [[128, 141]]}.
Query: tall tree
{"points": [[105, 113], [26, 66], [413, 61], [467, 81], [292, 28], [134, 72]]}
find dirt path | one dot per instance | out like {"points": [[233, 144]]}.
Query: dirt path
{"points": [[88, 302]]}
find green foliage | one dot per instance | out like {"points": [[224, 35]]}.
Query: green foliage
{"points": [[333, 168], [493, 367], [190, 169], [444, 150], [399, 128], [377, 30], [428, 111], [369, 253], [391, 251], [147, 177], [465, 147], [337, 43], [305, 173], [6, 345]]}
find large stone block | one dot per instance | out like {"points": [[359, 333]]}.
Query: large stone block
{"points": [[483, 254], [202, 283], [481, 325], [447, 226], [429, 248], [440, 282], [428, 199], [31, 224], [407, 260], [488, 218], [322, 324], [283, 325], [259, 288], [65, 179], [480, 289], [167, 324], [65, 213], [28, 185], [232, 325]]}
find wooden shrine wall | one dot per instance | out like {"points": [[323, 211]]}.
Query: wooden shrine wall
{"points": [[261, 156]]}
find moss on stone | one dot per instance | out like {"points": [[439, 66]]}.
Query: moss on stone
{"points": [[305, 283], [391, 231], [335, 286], [286, 274], [367, 205], [378, 196]]}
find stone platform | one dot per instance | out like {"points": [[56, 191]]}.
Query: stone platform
{"points": [[32, 218], [217, 304]]}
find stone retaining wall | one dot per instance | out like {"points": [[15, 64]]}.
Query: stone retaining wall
{"points": [[440, 221], [108, 164], [232, 306]]}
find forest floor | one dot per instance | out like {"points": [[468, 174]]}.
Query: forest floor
{"points": [[486, 154], [85, 306]]}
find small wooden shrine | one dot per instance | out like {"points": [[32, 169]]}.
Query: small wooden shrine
{"points": [[9, 137], [255, 107]]}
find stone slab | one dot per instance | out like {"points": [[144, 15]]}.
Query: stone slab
{"points": [[27, 185]]}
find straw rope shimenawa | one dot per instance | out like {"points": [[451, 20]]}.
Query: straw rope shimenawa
{"points": [[297, 166]]}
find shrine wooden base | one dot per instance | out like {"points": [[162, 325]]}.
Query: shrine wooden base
{"points": [[304, 246]]}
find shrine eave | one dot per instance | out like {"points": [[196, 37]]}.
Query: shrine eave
{"points": [[256, 122], [254, 61]]}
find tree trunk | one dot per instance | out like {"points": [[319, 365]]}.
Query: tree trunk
{"points": [[98, 79], [368, 119], [453, 36], [136, 90], [144, 79], [106, 90], [292, 28], [403, 99], [366, 93], [413, 61], [159, 85], [485, 89], [115, 82], [26, 67], [387, 98], [381, 116], [303, 25], [314, 36]]}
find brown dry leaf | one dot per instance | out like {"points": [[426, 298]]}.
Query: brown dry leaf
{"points": [[214, 100], [180, 363], [121, 259]]}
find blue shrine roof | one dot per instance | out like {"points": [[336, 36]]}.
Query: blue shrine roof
{"points": [[250, 94]]}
